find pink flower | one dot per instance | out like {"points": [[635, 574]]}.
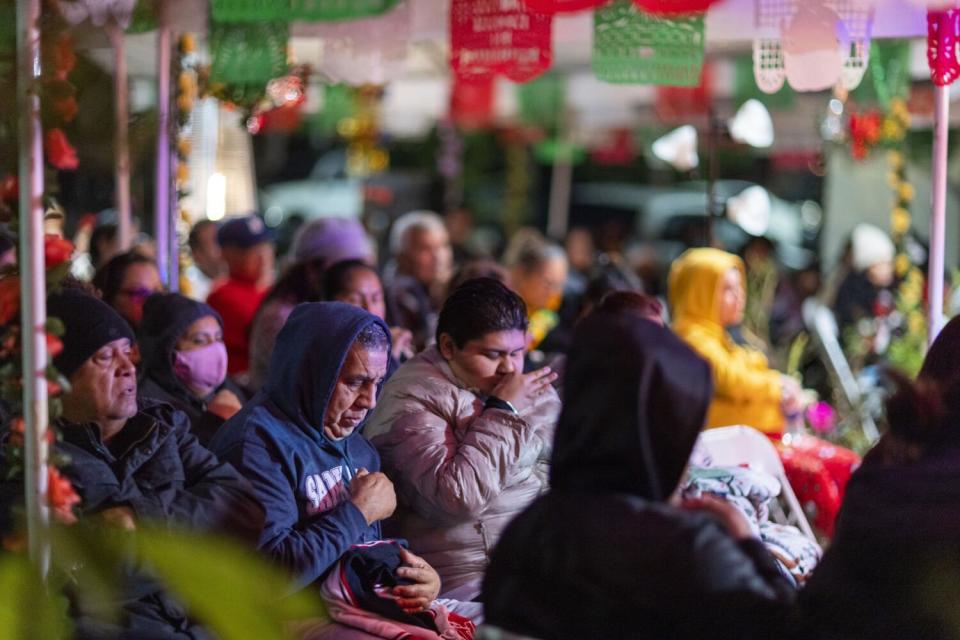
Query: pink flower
{"points": [[822, 417]]}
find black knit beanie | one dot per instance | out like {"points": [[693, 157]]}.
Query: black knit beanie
{"points": [[90, 324]]}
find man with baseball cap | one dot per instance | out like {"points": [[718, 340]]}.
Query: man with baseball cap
{"points": [[134, 461], [247, 246]]}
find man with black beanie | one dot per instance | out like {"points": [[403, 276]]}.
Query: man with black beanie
{"points": [[134, 462]]}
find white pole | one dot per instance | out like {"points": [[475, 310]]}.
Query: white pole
{"points": [[161, 207], [33, 303], [121, 146], [938, 215]]}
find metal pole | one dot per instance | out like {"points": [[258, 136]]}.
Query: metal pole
{"points": [[121, 146], [33, 303], [939, 214], [173, 216], [161, 207], [713, 211]]}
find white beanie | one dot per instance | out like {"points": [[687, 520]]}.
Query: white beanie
{"points": [[871, 245]]}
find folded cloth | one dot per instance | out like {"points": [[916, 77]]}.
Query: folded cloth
{"points": [[751, 491], [795, 552], [748, 488], [357, 594]]}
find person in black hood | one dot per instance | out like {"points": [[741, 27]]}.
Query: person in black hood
{"points": [[606, 553], [892, 568], [132, 462], [184, 361]]}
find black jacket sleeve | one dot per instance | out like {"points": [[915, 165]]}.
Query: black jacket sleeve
{"points": [[213, 497]]}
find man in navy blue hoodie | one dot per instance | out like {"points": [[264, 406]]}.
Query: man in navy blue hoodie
{"points": [[298, 442]]}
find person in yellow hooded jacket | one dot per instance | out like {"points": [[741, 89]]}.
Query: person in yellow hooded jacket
{"points": [[707, 295]]}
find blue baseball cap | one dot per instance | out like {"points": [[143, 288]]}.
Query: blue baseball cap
{"points": [[244, 233]]}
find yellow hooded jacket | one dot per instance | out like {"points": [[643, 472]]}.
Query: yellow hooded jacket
{"points": [[746, 390]]}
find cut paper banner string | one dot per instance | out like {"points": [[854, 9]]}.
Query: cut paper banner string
{"points": [[942, 31], [659, 7], [247, 56], [364, 51], [98, 11], [813, 45], [674, 7], [499, 37], [633, 47], [290, 10], [562, 6], [338, 9]]}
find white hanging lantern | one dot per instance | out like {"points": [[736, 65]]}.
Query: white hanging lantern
{"points": [[364, 51], [678, 148], [750, 210]]}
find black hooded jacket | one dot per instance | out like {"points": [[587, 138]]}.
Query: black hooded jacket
{"points": [[166, 316], [157, 468], [602, 555], [893, 566]]}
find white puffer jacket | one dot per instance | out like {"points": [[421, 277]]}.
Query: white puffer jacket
{"points": [[461, 473]]}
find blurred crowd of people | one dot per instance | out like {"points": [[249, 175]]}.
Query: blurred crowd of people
{"points": [[511, 440]]}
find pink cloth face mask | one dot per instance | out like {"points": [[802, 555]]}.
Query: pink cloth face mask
{"points": [[201, 370]]}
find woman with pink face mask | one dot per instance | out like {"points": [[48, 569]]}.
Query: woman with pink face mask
{"points": [[184, 361]]}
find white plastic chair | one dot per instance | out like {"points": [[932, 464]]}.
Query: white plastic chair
{"points": [[822, 325], [740, 445]]}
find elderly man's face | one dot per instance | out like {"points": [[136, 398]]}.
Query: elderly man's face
{"points": [[428, 256], [356, 390], [104, 388]]}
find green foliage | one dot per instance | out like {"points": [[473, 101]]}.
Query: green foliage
{"points": [[28, 611], [227, 587]]}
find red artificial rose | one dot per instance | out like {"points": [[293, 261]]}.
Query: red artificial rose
{"points": [[66, 109], [9, 299], [61, 496], [54, 345], [59, 152], [17, 429], [9, 188], [56, 250]]}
